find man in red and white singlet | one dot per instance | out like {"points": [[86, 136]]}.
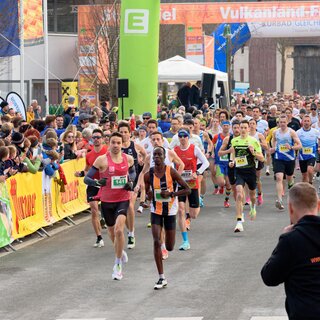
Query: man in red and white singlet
{"points": [[117, 174], [99, 149]]}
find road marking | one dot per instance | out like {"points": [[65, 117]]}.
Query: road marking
{"points": [[270, 318], [84, 319], [184, 318]]}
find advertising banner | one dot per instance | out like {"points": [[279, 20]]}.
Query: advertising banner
{"points": [[139, 50], [73, 200], [33, 22], [69, 89], [5, 217], [16, 102], [9, 29], [26, 203], [208, 51]]}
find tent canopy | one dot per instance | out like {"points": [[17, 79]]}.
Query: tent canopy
{"points": [[179, 69]]}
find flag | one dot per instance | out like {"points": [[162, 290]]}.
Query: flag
{"points": [[9, 28]]}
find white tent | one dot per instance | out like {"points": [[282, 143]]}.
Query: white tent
{"points": [[178, 69]]}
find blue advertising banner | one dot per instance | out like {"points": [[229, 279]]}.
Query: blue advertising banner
{"points": [[240, 34], [9, 28]]}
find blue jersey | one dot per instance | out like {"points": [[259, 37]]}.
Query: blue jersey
{"points": [[282, 151], [309, 141], [220, 160]]}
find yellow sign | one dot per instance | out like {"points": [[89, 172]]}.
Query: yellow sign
{"points": [[69, 89]]}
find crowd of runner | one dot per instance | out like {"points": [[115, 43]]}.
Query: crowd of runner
{"points": [[165, 163]]}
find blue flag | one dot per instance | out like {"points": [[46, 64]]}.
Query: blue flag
{"points": [[9, 28], [240, 34]]}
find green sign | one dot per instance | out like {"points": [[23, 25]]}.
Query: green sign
{"points": [[139, 51]]}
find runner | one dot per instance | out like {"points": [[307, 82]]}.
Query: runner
{"points": [[221, 163], [133, 149], [244, 151], [309, 138], [284, 144], [117, 174], [98, 150], [190, 155], [225, 149], [260, 164], [160, 184]]}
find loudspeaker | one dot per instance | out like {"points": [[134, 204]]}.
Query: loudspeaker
{"points": [[122, 88], [207, 84]]}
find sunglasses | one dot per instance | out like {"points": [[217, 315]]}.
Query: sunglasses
{"points": [[69, 136], [182, 136], [96, 137], [146, 118], [313, 109]]}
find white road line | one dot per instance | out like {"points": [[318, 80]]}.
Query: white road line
{"points": [[84, 319], [270, 318], [183, 318]]}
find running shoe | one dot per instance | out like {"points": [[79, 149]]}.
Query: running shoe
{"points": [[162, 283], [260, 200], [165, 254], [149, 225], [239, 227], [201, 202], [124, 258], [226, 204], [221, 190], [140, 209], [99, 244], [252, 213], [247, 201], [184, 246], [267, 173], [117, 272], [103, 223], [145, 204], [279, 205], [215, 191], [188, 224], [131, 242]]}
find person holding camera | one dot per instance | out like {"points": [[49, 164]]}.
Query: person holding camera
{"points": [[117, 173]]}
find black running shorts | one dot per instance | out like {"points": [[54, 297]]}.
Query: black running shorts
{"points": [[91, 192], [246, 176], [193, 198], [169, 222], [111, 210], [286, 167], [304, 164]]}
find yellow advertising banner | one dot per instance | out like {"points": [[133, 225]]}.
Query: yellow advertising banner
{"points": [[69, 89], [73, 200], [26, 203], [33, 22]]}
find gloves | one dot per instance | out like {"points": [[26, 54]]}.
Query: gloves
{"points": [[128, 186], [101, 182]]}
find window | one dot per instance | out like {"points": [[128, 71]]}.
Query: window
{"points": [[241, 75], [62, 16]]}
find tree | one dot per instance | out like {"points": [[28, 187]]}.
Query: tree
{"points": [[282, 44], [100, 43]]}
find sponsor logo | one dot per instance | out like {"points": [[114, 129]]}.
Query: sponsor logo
{"points": [[136, 21]]}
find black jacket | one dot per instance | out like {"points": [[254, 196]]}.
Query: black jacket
{"points": [[296, 262]]}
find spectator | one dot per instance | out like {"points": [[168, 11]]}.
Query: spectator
{"points": [[195, 99], [69, 115], [85, 143], [83, 121], [146, 117], [50, 122], [164, 123], [295, 260], [30, 114], [4, 105], [4, 171], [105, 107], [11, 112], [85, 107], [70, 148], [36, 109], [59, 123], [184, 94], [32, 160]]}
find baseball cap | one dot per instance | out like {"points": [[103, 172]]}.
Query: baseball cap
{"points": [[147, 114]]}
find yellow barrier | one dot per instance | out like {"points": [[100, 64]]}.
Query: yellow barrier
{"points": [[36, 201]]}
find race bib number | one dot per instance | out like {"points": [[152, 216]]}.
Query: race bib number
{"points": [[241, 161], [118, 182], [224, 158], [186, 175], [307, 150], [283, 148], [157, 196]]}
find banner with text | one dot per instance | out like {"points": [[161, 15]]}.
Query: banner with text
{"points": [[139, 50]]}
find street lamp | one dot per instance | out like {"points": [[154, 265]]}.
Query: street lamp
{"points": [[227, 36]]}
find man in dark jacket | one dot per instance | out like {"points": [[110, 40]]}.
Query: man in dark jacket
{"points": [[184, 95], [296, 259], [195, 95]]}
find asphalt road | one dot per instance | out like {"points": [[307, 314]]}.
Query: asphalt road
{"points": [[64, 277]]}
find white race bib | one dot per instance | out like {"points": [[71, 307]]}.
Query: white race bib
{"points": [[187, 175], [157, 196], [307, 150], [224, 158], [118, 182], [241, 161]]}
